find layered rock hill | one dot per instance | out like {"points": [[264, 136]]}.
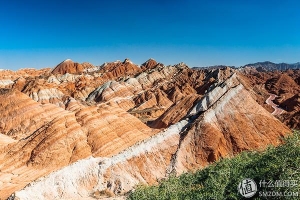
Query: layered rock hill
{"points": [[284, 84], [118, 68], [96, 132], [68, 66], [149, 64]]}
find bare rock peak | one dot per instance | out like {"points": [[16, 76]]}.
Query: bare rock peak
{"points": [[127, 60], [68, 66], [68, 60], [149, 64]]}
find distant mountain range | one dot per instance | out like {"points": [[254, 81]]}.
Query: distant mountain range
{"points": [[260, 66], [214, 67], [269, 66]]}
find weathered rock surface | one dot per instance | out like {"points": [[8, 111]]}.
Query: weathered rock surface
{"points": [[176, 112], [284, 84], [109, 129], [234, 123], [118, 68], [68, 66], [12, 75], [4, 83], [84, 131], [149, 64], [45, 137]]}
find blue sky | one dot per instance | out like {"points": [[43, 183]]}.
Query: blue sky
{"points": [[198, 32]]}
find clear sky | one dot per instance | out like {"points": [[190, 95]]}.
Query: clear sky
{"points": [[36, 33]]}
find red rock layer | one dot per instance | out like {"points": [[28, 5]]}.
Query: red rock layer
{"points": [[68, 66], [282, 83], [233, 124], [51, 120], [176, 112], [109, 129], [149, 64], [227, 128], [117, 69], [44, 137]]}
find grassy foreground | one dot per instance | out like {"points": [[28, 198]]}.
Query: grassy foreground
{"points": [[220, 180]]}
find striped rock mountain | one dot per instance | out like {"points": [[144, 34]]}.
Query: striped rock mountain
{"points": [[89, 131]]}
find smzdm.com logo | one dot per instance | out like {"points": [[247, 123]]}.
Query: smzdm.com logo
{"points": [[248, 188]]}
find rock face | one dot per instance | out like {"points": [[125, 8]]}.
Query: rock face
{"points": [[149, 64], [68, 66], [84, 131], [46, 137], [118, 68], [235, 122], [88, 67], [218, 133], [176, 112], [283, 84]]}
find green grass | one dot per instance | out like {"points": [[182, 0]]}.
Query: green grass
{"points": [[220, 180]]}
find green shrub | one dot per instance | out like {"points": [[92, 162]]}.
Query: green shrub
{"points": [[220, 180]]}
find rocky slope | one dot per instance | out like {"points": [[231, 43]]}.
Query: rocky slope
{"points": [[227, 124], [45, 137], [284, 84], [68, 66], [89, 131]]}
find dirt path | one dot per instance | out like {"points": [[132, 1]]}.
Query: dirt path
{"points": [[277, 110]]}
